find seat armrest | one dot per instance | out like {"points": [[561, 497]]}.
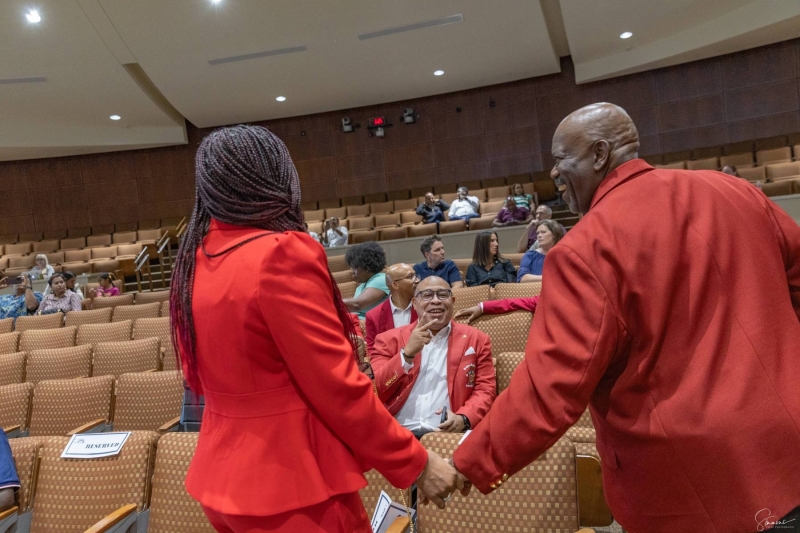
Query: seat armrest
{"points": [[87, 427], [12, 431], [8, 518], [123, 517], [172, 425]]}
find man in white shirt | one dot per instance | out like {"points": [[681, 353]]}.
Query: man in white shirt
{"points": [[464, 206], [333, 234], [397, 310], [434, 366]]}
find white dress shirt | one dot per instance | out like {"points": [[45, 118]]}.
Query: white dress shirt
{"points": [[401, 317], [468, 206], [334, 239], [429, 393]]}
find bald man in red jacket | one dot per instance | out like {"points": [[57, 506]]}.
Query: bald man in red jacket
{"points": [[673, 310]]}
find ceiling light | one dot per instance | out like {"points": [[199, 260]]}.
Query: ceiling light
{"points": [[115, 117], [281, 98], [625, 35], [33, 16], [215, 1], [438, 73]]}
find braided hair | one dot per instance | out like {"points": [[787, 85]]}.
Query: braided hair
{"points": [[245, 177]]}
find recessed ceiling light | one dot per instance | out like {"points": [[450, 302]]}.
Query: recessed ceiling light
{"points": [[625, 35], [216, 1], [33, 16], [115, 117], [438, 73], [281, 98]]}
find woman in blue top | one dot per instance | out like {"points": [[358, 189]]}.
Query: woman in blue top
{"points": [[548, 233], [366, 262]]}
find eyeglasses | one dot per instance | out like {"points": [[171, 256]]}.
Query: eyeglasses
{"points": [[442, 294], [410, 277]]}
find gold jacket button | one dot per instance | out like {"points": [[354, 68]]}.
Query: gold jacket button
{"points": [[493, 485], [505, 478]]}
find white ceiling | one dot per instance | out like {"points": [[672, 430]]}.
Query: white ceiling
{"points": [[148, 60]]}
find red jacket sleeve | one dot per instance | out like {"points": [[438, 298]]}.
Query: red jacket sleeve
{"points": [[573, 339], [295, 299], [387, 364], [789, 239], [485, 391], [371, 322], [498, 307]]}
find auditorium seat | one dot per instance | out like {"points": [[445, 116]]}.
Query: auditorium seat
{"points": [[517, 290], [124, 237], [496, 193], [514, 258], [491, 208], [421, 230], [54, 258], [774, 155], [405, 205], [347, 289], [545, 190], [22, 261], [63, 405], [540, 497], [46, 339], [468, 296], [51, 321], [709, 163], [361, 223], [381, 208], [338, 212], [454, 226], [112, 301], [357, 211], [94, 316], [71, 256], [74, 495], [133, 312], [387, 220], [58, 363], [783, 171], [739, 160], [9, 342], [315, 227], [357, 237], [12, 368], [15, 407], [316, 215], [129, 251], [778, 188], [480, 194], [20, 248], [147, 235], [6, 325], [105, 265], [389, 234], [145, 328], [583, 430], [111, 332], [410, 218], [148, 401], [146, 297], [505, 365], [336, 263], [103, 239], [77, 268], [509, 332], [105, 252], [753, 174], [482, 223], [342, 276], [25, 452], [448, 197], [165, 308], [46, 246], [73, 243], [462, 265]]}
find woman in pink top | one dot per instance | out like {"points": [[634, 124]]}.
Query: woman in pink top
{"points": [[106, 287]]}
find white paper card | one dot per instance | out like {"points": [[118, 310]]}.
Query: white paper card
{"points": [[94, 445], [386, 512], [466, 434]]}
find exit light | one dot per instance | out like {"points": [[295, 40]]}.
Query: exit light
{"points": [[377, 122]]}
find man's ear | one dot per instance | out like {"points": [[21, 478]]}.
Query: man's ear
{"points": [[602, 154]]}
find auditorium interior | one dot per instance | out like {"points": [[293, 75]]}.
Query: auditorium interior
{"points": [[104, 103]]}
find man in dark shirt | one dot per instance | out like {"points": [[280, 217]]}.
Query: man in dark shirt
{"points": [[435, 263], [511, 215], [432, 210], [9, 481]]}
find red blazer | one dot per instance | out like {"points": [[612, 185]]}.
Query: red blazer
{"points": [[470, 378], [289, 420], [673, 310], [506, 305], [379, 319]]}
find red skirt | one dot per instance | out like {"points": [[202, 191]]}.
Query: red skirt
{"points": [[343, 513]]}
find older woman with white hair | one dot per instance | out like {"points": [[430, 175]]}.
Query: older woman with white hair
{"points": [[42, 270]]}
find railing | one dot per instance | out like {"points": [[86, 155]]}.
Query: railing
{"points": [[142, 262]]}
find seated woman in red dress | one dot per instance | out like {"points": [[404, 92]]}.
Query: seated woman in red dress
{"points": [[290, 424]]}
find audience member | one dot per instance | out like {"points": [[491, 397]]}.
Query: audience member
{"points": [[333, 234], [106, 287], [731, 169], [23, 302], [527, 241], [488, 266], [60, 298], [72, 283], [436, 264], [498, 307], [432, 210], [512, 215], [464, 206], [522, 198], [42, 270], [397, 310], [313, 234], [414, 367], [548, 233], [367, 261], [9, 480]]}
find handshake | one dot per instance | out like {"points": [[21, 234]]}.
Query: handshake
{"points": [[439, 480]]}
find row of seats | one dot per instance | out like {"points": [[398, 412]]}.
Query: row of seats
{"points": [[745, 159], [767, 172], [77, 243], [164, 224]]}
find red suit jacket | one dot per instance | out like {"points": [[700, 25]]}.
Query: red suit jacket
{"points": [[470, 378], [673, 310], [289, 420], [379, 319], [506, 305]]}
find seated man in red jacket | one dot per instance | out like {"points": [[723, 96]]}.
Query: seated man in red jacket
{"points": [[434, 364], [396, 310], [498, 307]]}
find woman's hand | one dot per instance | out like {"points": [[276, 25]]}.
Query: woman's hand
{"points": [[472, 313]]}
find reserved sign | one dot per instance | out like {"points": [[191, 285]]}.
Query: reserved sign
{"points": [[94, 445]]}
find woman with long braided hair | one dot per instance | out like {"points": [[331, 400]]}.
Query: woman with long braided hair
{"points": [[290, 423]]}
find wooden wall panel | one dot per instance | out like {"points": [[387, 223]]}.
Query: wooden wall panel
{"points": [[744, 96]]}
